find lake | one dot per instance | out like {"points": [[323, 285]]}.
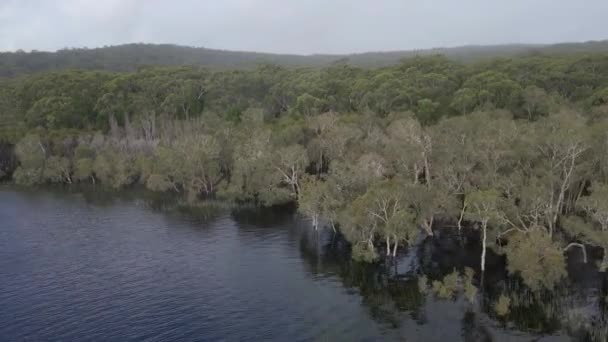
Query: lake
{"points": [[88, 266]]}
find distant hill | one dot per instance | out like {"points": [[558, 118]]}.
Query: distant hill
{"points": [[131, 56]]}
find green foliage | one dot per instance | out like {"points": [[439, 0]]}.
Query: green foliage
{"points": [[510, 146], [58, 170], [503, 306], [482, 205], [596, 204], [470, 291], [536, 258], [447, 288], [32, 158], [364, 253], [158, 182], [27, 176], [84, 169], [114, 168], [423, 284], [31, 152]]}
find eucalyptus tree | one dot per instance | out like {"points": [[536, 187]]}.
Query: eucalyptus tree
{"points": [[309, 105], [83, 170], [331, 139], [561, 141], [114, 168], [428, 204], [167, 171], [591, 229], [319, 199], [536, 102], [455, 157], [310, 199], [58, 170], [202, 172], [290, 162], [537, 258], [483, 208], [409, 146], [381, 211], [32, 156]]}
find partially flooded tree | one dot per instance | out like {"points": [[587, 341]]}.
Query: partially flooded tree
{"points": [[596, 205], [313, 194], [381, 211], [593, 228], [114, 168], [32, 155], [561, 142], [482, 207], [408, 147], [536, 258], [58, 170], [291, 162]]}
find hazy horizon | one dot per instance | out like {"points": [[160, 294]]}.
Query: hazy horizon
{"points": [[295, 27], [305, 54]]}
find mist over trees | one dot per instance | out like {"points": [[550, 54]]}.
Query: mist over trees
{"points": [[512, 148], [131, 57]]}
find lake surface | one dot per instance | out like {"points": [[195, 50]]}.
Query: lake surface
{"points": [[88, 267]]}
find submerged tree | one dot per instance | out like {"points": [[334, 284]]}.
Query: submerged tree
{"points": [[482, 207], [536, 258], [32, 155]]}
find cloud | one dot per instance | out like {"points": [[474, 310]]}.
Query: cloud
{"points": [[296, 26]]}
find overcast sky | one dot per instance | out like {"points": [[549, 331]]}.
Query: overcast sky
{"points": [[298, 26]]}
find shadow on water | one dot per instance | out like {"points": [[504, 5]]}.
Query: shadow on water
{"points": [[392, 297], [389, 290]]}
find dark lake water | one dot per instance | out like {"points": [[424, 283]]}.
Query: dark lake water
{"points": [[88, 267]]}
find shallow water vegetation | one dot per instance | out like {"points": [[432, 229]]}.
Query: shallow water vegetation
{"points": [[502, 307], [452, 284], [536, 258], [423, 284], [447, 287], [470, 290]]}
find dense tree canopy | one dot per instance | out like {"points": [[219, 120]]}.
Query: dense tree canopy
{"points": [[514, 148]]}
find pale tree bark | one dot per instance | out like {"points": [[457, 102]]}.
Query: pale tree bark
{"points": [[581, 246], [461, 217], [395, 247], [427, 170], [604, 264], [484, 226], [428, 226], [315, 221]]}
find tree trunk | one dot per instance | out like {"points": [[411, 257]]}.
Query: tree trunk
{"points": [[395, 248], [428, 226], [604, 264], [483, 245], [388, 246], [41, 175], [315, 221], [581, 246], [427, 171], [464, 206]]}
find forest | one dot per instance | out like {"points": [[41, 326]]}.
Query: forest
{"points": [[511, 148], [131, 57]]}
